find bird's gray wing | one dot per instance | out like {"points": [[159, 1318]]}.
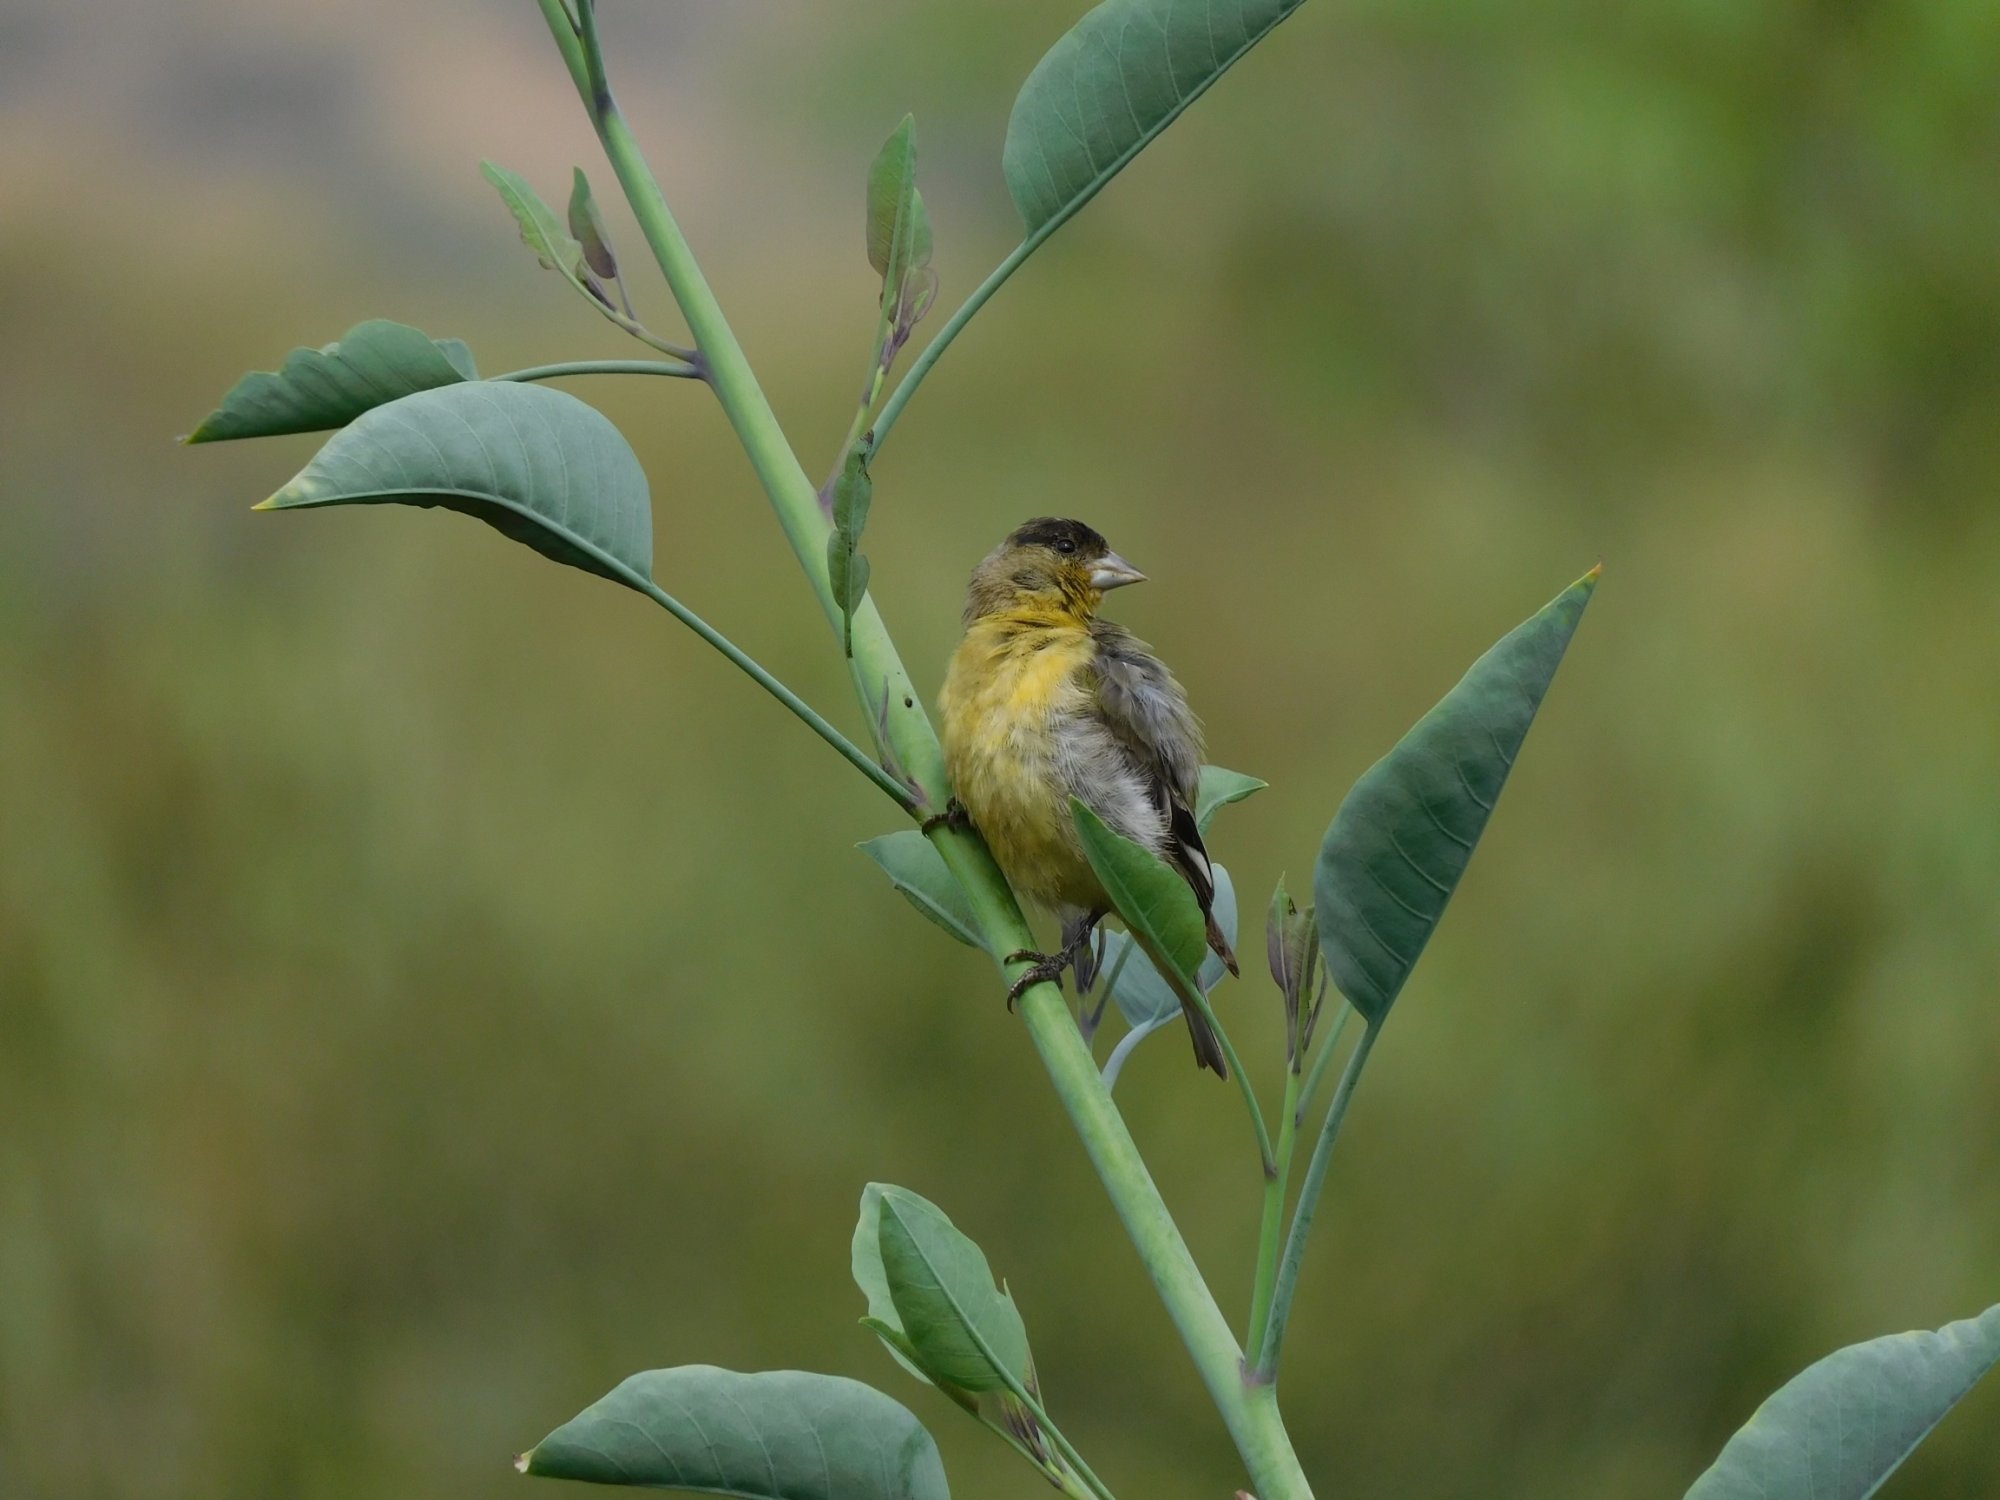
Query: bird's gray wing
{"points": [[1149, 718]]}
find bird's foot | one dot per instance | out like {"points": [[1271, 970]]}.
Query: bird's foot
{"points": [[953, 816], [1047, 966]]}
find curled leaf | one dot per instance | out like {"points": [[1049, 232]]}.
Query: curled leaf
{"points": [[1291, 946], [920, 873], [899, 239], [587, 224], [371, 364], [1217, 789]]}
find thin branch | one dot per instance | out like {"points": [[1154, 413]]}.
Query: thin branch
{"points": [[1191, 992], [603, 367], [1302, 1216], [914, 376], [1273, 1218], [1321, 1063]]}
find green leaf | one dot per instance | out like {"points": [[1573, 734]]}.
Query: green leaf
{"points": [[535, 463], [899, 232], [853, 493], [847, 570], [587, 225], [1217, 789], [1155, 902], [920, 873], [1400, 842], [847, 574], [1119, 78], [1143, 997], [865, 1260], [372, 363], [962, 1330], [892, 187], [1841, 1427], [778, 1435], [1291, 948], [543, 233]]}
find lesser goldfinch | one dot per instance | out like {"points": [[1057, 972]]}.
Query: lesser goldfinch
{"points": [[1045, 701]]}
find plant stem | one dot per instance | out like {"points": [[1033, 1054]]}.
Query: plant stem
{"points": [[756, 672], [603, 367], [1191, 993], [1252, 1420], [1250, 1413], [1274, 1215], [1320, 1064], [1302, 1216], [888, 697], [1028, 1399]]}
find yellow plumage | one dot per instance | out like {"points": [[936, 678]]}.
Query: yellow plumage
{"points": [[1012, 682]]}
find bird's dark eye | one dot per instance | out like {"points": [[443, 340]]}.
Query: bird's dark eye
{"points": [[1065, 544]]}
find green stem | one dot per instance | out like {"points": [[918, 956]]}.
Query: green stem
{"points": [[1251, 1418], [603, 367], [1320, 1063], [1302, 1216], [1250, 1413], [1191, 992], [888, 697], [753, 669], [914, 376], [1274, 1216], [1028, 1399]]}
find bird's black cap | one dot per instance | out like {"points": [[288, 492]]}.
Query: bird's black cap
{"points": [[1052, 531]]}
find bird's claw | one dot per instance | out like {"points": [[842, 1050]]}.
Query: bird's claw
{"points": [[954, 816], [1047, 966]]}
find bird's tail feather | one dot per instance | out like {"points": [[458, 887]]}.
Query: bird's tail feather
{"points": [[1220, 944], [1207, 1047]]}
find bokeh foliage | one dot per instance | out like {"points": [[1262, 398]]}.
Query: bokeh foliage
{"points": [[431, 987]]}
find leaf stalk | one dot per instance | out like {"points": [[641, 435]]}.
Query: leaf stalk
{"points": [[676, 369], [1273, 1218], [1266, 1369]]}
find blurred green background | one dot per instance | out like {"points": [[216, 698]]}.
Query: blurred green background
{"points": [[433, 986]]}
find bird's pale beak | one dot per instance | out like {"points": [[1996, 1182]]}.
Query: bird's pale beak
{"points": [[1112, 572]]}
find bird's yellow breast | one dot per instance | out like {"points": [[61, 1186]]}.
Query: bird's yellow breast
{"points": [[1011, 686]]}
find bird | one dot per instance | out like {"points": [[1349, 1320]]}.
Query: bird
{"points": [[1045, 700]]}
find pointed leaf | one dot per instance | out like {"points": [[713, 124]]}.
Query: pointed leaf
{"points": [[778, 1435], [1142, 996], [372, 363], [865, 1260], [847, 574], [537, 464], [541, 231], [847, 570], [1841, 1427], [962, 1329], [853, 493], [899, 239], [587, 225], [1400, 842], [892, 182], [920, 873], [1120, 77], [1217, 789], [1155, 903]]}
